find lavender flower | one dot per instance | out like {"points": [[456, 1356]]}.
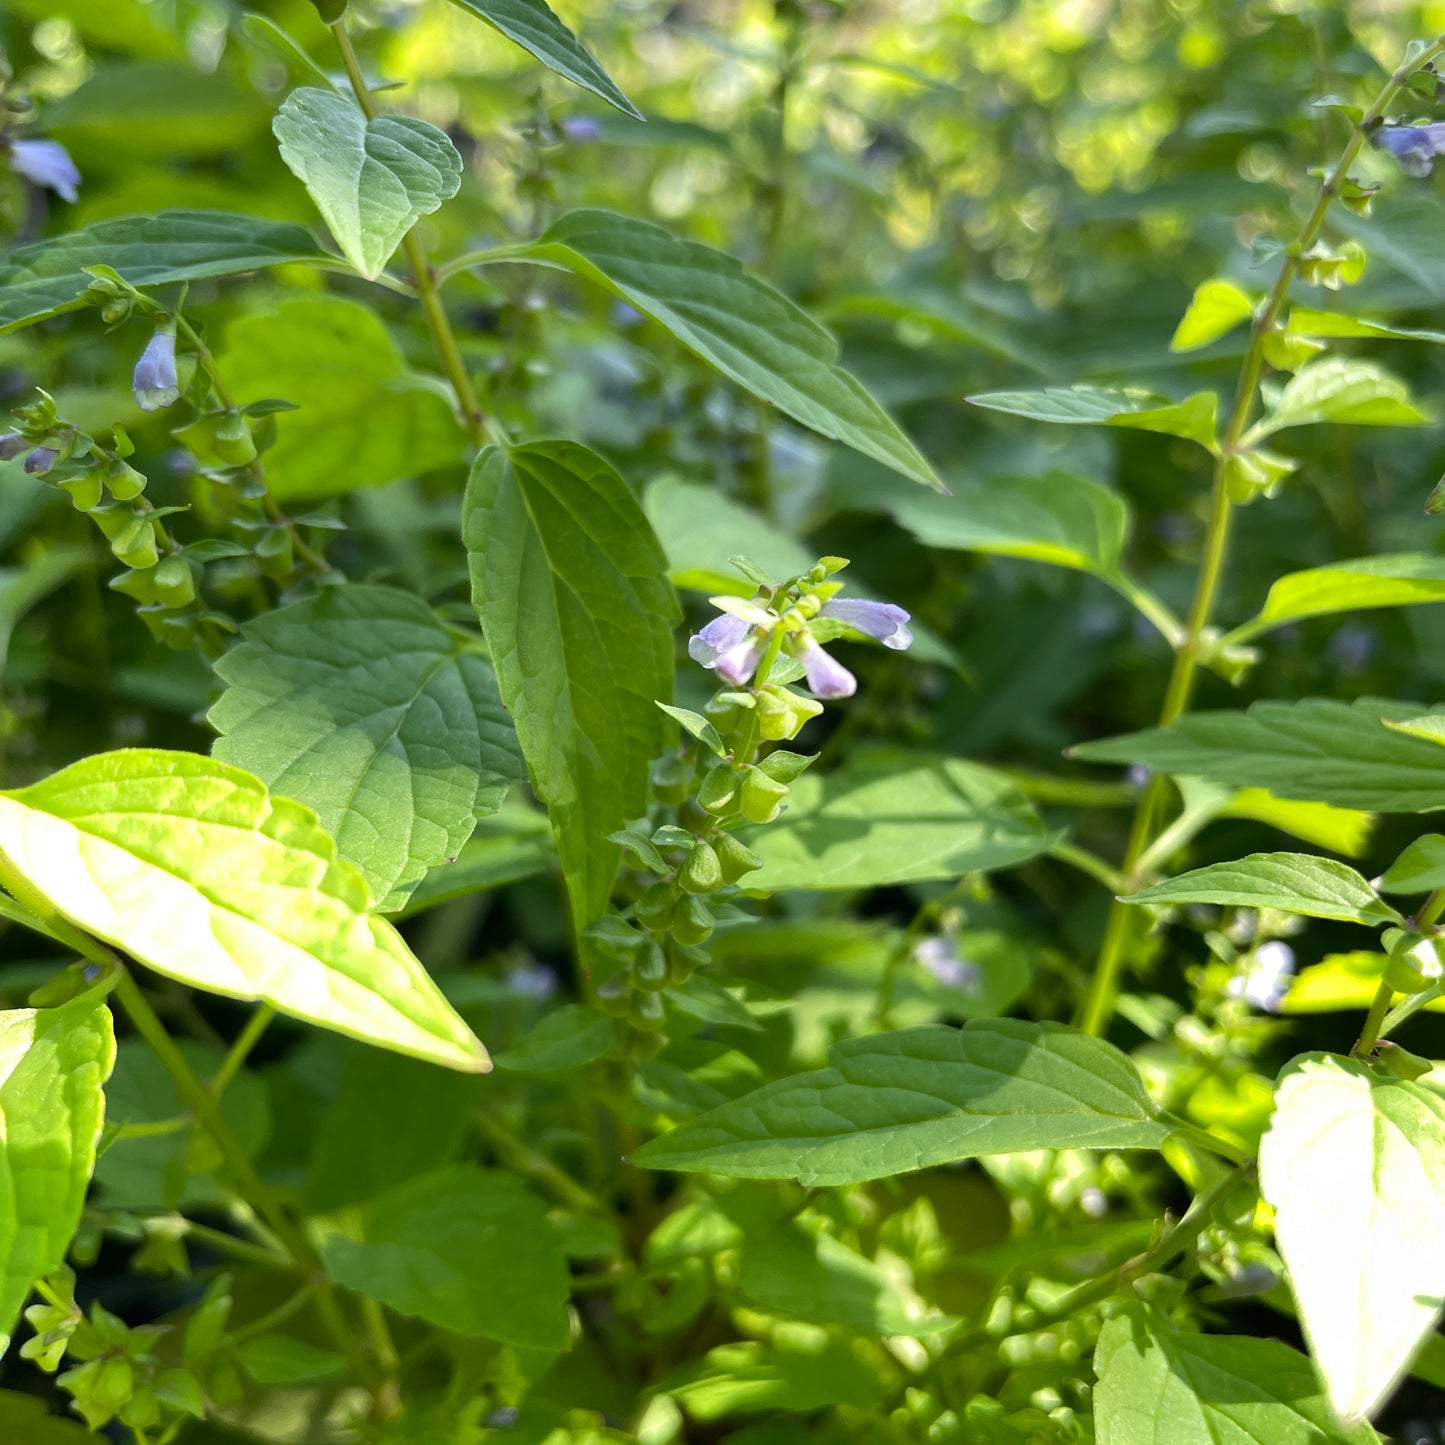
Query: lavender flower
{"points": [[581, 128], [40, 461], [732, 645], [1414, 146], [826, 676], [939, 956], [46, 163], [1266, 980], [883, 621], [155, 382], [11, 445]]}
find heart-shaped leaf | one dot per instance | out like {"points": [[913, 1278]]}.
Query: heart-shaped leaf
{"points": [[371, 179]]}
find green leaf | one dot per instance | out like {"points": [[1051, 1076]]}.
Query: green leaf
{"points": [[1353, 1164], [735, 322], [905, 1100], [701, 530], [1303, 321], [572, 590], [363, 418], [568, 1038], [49, 277], [1055, 517], [1209, 1388], [1430, 728], [1317, 749], [282, 1360], [513, 844], [1419, 869], [789, 1269], [1403, 579], [1337, 830], [788, 1377], [1216, 308], [1294, 882], [1342, 390], [886, 818], [698, 726], [359, 703], [52, 1065], [1192, 418], [190, 867], [373, 179], [533, 26], [1339, 981], [467, 1249], [24, 1418]]}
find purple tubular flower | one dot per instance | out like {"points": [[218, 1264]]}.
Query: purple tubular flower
{"points": [[11, 445], [826, 677], [881, 621], [728, 646], [1414, 146], [46, 163], [155, 382], [40, 461]]}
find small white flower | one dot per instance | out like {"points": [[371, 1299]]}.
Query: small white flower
{"points": [[155, 383], [1266, 979], [939, 955], [883, 621]]}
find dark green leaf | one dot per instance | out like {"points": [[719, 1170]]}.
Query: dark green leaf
{"points": [[572, 590], [905, 1100], [362, 705], [568, 1038]]}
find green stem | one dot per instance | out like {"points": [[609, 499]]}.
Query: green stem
{"points": [[1374, 1022], [1204, 1139], [1409, 1009], [1431, 910], [249, 1037], [748, 737], [426, 279], [1090, 863], [526, 1160], [1098, 1005]]}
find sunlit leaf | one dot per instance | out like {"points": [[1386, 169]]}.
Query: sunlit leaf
{"points": [[1401, 580], [1353, 1164], [1192, 418], [1337, 389], [1419, 869], [1215, 309], [190, 867]]}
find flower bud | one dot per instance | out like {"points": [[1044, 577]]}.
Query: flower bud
{"points": [[40, 461], [735, 858], [12, 443], [694, 922], [649, 968], [719, 791], [175, 583], [642, 1046], [233, 441], [683, 961], [84, 491], [654, 908], [762, 797], [116, 311], [155, 382], [669, 780], [648, 1012], [136, 544], [614, 996], [1413, 964], [123, 482], [701, 872]]}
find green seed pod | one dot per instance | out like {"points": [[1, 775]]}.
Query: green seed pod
{"points": [[701, 872], [648, 1012], [178, 630], [649, 968], [136, 545], [139, 585], [233, 441], [1413, 964], [669, 780], [84, 491], [275, 553], [644, 1045], [175, 583], [762, 796], [654, 908], [123, 482], [615, 995], [718, 793], [112, 518], [694, 922], [682, 961], [736, 858]]}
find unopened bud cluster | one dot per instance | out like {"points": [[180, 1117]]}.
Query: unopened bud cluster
{"points": [[695, 857]]}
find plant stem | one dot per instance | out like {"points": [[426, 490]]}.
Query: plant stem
{"points": [[526, 1160], [1098, 1005], [427, 280], [1090, 863], [256, 1025], [1374, 1021]]}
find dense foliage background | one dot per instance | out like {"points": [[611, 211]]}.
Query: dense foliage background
{"points": [[982, 199]]}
